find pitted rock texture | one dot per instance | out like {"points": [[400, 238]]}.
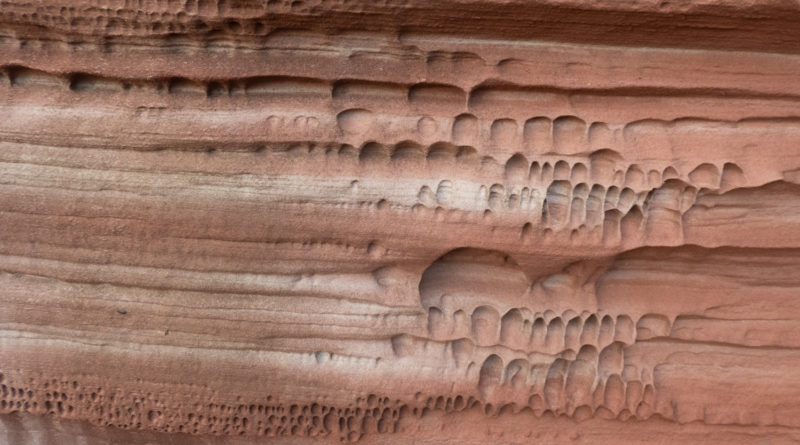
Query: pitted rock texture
{"points": [[553, 221]]}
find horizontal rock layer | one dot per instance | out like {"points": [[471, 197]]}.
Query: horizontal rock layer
{"points": [[469, 222]]}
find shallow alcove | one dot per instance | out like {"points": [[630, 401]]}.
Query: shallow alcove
{"points": [[467, 278]]}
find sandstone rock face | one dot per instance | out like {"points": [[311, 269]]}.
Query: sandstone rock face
{"points": [[241, 221]]}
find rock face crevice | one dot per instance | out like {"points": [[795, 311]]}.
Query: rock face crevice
{"points": [[408, 222]]}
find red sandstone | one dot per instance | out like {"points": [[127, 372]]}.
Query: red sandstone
{"points": [[407, 222]]}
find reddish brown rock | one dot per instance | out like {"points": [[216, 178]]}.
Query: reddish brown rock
{"points": [[408, 222]]}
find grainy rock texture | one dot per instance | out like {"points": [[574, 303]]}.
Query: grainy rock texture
{"points": [[456, 221]]}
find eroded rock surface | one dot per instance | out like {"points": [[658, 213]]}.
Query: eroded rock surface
{"points": [[306, 222]]}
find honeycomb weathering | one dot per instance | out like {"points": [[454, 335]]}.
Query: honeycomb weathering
{"points": [[457, 221]]}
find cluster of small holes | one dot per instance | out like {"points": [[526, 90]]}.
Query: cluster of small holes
{"points": [[151, 411]]}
